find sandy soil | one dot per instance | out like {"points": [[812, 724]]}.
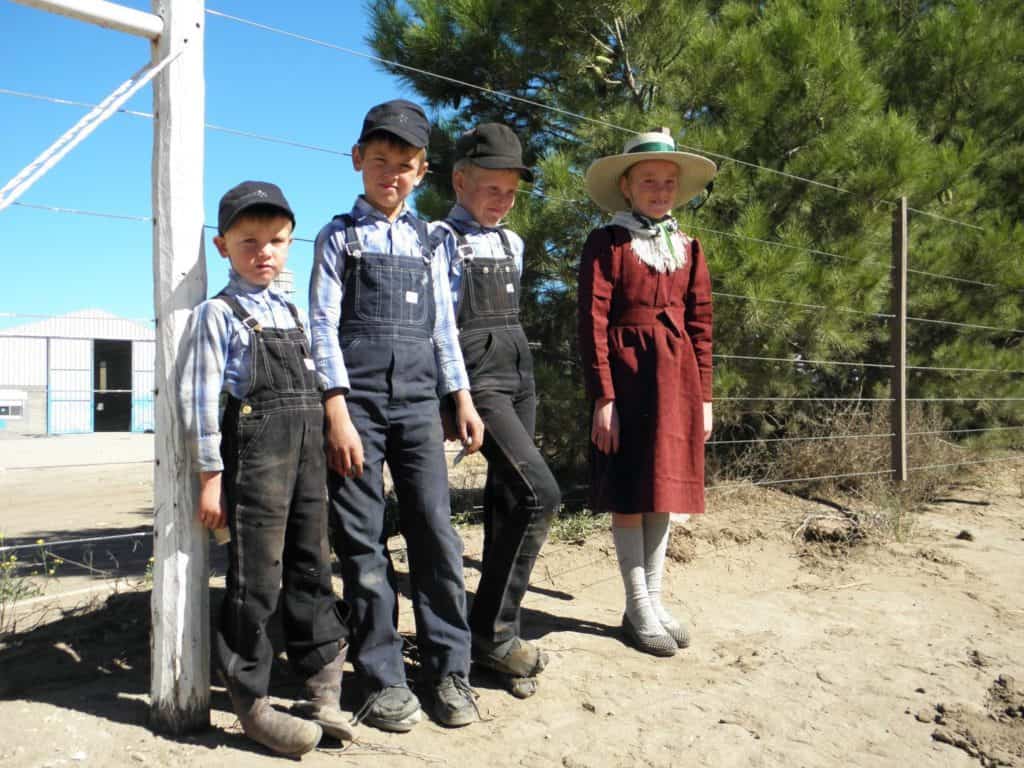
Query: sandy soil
{"points": [[900, 653]]}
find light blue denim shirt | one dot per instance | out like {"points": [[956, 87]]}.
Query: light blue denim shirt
{"points": [[486, 243], [377, 234], [217, 358]]}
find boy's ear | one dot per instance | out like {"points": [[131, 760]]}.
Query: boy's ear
{"points": [[222, 246], [458, 182], [357, 158], [421, 172], [624, 186]]}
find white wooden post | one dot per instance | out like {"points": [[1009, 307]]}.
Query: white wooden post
{"points": [[180, 659]]}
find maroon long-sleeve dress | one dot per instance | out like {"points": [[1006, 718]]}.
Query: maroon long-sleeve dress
{"points": [[645, 340]]}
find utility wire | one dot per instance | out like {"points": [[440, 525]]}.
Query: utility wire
{"points": [[964, 325], [961, 431], [794, 439], [799, 480], [882, 315], [803, 361]]}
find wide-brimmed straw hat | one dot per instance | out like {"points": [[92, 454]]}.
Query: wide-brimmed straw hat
{"points": [[602, 179]]}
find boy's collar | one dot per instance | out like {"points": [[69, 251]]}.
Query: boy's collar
{"points": [[363, 208], [243, 285], [461, 214]]}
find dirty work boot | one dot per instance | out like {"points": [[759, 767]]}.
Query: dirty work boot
{"points": [[323, 693], [275, 730], [455, 702], [394, 708]]}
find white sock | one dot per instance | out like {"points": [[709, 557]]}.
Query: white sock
{"points": [[629, 548], [655, 528]]}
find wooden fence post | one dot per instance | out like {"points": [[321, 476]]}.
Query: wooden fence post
{"points": [[180, 639], [898, 338]]}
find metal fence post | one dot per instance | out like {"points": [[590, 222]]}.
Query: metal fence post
{"points": [[898, 340]]}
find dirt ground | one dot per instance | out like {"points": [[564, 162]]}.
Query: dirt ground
{"points": [[897, 653]]}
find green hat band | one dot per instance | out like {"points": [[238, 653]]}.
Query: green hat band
{"points": [[652, 146]]}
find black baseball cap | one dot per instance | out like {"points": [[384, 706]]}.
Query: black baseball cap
{"points": [[492, 145], [400, 118], [247, 195]]}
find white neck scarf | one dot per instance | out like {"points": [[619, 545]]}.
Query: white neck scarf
{"points": [[658, 244]]}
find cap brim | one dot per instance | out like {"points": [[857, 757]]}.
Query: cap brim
{"points": [[407, 136], [602, 178], [498, 164]]}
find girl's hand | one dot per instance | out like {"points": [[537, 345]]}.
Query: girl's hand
{"points": [[468, 424], [708, 421], [604, 431]]}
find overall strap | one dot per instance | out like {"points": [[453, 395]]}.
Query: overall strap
{"points": [[423, 236], [462, 247], [244, 317], [295, 314], [505, 243]]}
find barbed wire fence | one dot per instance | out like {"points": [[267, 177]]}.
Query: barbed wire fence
{"points": [[898, 437]]}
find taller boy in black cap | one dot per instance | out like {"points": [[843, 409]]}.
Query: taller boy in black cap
{"points": [[485, 264], [262, 474], [385, 345]]}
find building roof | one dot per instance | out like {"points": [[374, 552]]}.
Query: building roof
{"points": [[85, 324]]}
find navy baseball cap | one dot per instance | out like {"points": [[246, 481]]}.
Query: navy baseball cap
{"points": [[493, 145], [247, 195], [400, 118]]}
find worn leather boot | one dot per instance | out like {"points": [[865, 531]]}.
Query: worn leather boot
{"points": [[277, 731], [323, 694]]}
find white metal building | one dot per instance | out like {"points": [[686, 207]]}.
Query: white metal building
{"points": [[87, 371]]}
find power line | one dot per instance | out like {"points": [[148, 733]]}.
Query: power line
{"points": [[208, 126], [965, 399], [961, 370], [802, 305], [966, 463], [955, 279], [803, 361], [964, 325], [800, 479], [794, 439], [961, 431], [81, 212], [940, 217]]}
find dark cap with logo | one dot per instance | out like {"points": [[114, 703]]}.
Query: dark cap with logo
{"points": [[247, 195], [400, 118], [492, 145]]}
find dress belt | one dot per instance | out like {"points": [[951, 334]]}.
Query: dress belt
{"points": [[673, 317]]}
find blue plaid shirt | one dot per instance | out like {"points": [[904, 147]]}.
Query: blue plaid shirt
{"points": [[486, 244], [326, 290], [217, 359]]}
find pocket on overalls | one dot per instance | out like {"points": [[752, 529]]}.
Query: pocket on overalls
{"points": [[282, 362], [494, 289], [477, 350], [250, 429], [394, 295]]}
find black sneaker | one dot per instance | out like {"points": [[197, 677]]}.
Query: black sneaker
{"points": [[455, 702], [394, 709]]}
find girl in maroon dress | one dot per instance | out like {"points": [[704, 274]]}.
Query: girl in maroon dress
{"points": [[645, 339]]}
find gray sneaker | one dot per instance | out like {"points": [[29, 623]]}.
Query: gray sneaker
{"points": [[394, 709], [455, 702]]}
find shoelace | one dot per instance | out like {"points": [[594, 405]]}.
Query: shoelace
{"points": [[372, 699], [463, 687]]}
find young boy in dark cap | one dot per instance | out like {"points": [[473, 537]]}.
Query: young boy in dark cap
{"points": [[385, 345], [262, 474], [485, 265]]}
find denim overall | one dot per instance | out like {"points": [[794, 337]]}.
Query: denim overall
{"points": [[521, 495], [386, 335], [274, 472]]}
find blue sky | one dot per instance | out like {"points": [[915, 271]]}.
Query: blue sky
{"points": [[256, 81]]}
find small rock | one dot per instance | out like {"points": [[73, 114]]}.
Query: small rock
{"points": [[589, 706], [824, 677], [919, 690], [926, 715], [965, 535], [138, 758]]}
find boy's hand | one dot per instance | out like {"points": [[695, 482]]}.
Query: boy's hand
{"points": [[708, 421], [212, 511], [344, 448], [604, 430], [468, 424], [448, 425]]}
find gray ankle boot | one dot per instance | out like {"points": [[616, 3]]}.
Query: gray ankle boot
{"points": [[323, 694], [277, 731]]}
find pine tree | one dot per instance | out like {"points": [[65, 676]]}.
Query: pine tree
{"points": [[820, 115]]}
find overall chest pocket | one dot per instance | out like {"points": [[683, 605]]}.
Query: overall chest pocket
{"points": [[392, 293], [284, 364], [492, 288]]}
